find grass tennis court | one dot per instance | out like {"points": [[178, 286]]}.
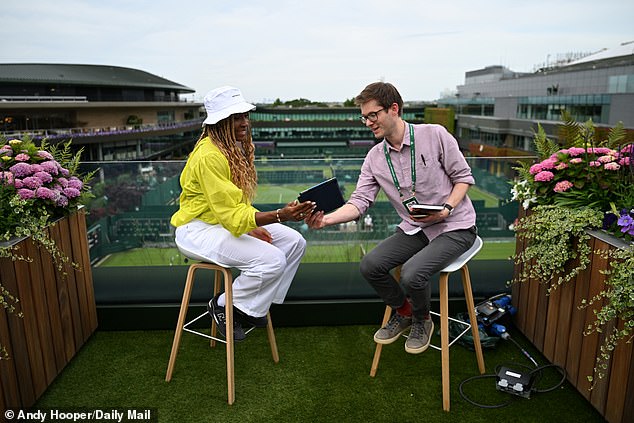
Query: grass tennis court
{"points": [[315, 253]]}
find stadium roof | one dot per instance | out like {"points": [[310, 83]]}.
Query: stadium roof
{"points": [[624, 49], [95, 75]]}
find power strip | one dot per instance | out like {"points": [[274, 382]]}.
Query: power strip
{"points": [[514, 382]]}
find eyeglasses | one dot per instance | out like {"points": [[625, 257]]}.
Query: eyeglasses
{"points": [[372, 116]]}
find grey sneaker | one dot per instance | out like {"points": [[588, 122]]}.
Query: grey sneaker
{"points": [[393, 329], [419, 336]]}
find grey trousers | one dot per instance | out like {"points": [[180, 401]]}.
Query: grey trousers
{"points": [[420, 259]]}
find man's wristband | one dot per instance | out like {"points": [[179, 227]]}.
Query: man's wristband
{"points": [[449, 208], [277, 215]]}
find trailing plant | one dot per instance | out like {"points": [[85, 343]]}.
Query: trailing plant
{"points": [[618, 305], [555, 237]]}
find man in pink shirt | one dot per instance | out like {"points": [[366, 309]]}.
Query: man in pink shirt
{"points": [[413, 164]]}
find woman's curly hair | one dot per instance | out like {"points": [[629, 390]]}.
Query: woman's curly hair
{"points": [[241, 158]]}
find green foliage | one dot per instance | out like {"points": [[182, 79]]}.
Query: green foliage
{"points": [[556, 236], [616, 306]]}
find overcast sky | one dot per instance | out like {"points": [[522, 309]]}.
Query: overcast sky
{"points": [[320, 50]]}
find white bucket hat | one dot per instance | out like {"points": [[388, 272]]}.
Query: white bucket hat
{"points": [[223, 102]]}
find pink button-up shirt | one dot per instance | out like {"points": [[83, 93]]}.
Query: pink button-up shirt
{"points": [[439, 165]]}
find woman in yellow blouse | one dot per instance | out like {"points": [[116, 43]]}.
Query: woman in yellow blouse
{"points": [[216, 221]]}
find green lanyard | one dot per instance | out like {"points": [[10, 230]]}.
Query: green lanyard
{"points": [[412, 148]]}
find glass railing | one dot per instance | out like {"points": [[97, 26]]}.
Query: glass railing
{"points": [[130, 235]]}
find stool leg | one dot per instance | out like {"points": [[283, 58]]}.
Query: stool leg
{"points": [[217, 274], [379, 347], [466, 284], [272, 342], [444, 338], [181, 322], [231, 389]]}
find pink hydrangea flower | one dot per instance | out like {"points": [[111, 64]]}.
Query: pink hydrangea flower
{"points": [[625, 161], [561, 166], [595, 163], [563, 186], [612, 166], [535, 169], [606, 159], [576, 151], [548, 163], [75, 182], [26, 194], [544, 176], [576, 160], [22, 157]]}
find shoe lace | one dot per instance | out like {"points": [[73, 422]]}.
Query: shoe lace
{"points": [[395, 321], [417, 330]]}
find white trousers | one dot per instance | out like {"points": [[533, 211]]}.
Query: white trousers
{"points": [[266, 270]]}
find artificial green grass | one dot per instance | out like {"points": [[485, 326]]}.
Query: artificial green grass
{"points": [[322, 376]]}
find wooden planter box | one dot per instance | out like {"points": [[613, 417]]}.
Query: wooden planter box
{"points": [[555, 324], [59, 313]]}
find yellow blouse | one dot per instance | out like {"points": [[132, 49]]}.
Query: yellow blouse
{"points": [[208, 194]]}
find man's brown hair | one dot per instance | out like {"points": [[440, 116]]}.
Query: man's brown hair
{"points": [[383, 93]]}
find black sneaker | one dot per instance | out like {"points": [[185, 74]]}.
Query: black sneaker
{"points": [[258, 322], [218, 314]]}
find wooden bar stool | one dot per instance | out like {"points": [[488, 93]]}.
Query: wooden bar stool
{"points": [[225, 274], [459, 264]]}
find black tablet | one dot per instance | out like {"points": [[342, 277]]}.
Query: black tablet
{"points": [[326, 195]]}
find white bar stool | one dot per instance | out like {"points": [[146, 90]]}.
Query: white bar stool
{"points": [[225, 273], [459, 264]]}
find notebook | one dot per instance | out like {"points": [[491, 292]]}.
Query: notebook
{"points": [[326, 195], [422, 210]]}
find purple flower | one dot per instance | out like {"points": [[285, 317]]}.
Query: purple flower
{"points": [[51, 167], [21, 170], [62, 201], [62, 181], [544, 176], [44, 177], [45, 155], [64, 172], [32, 182], [22, 157], [47, 194], [75, 182], [71, 192], [6, 178], [17, 183], [36, 168], [26, 194]]}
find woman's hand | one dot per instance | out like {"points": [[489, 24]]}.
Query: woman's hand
{"points": [[262, 234], [297, 211]]}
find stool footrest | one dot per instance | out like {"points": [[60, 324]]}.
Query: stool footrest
{"points": [[204, 335], [460, 322]]}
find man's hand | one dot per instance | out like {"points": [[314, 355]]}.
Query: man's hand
{"points": [[315, 220]]}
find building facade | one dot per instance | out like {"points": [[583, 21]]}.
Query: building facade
{"points": [[498, 110], [113, 113]]}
